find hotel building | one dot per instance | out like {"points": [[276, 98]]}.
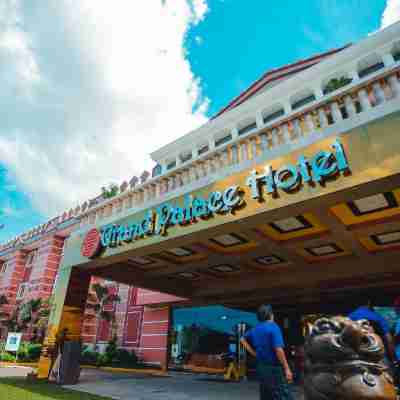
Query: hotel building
{"points": [[289, 195]]}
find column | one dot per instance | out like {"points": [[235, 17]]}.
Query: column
{"points": [[199, 170], [388, 59], [146, 194], [296, 128], [286, 133], [364, 100], [309, 122], [354, 75], [195, 153], [234, 133], [225, 158], [275, 137], [193, 173], [244, 155], [264, 142], [218, 161], [287, 107], [185, 177], [318, 92], [336, 114], [323, 119], [210, 165], [154, 340], [170, 183], [254, 148], [259, 120], [378, 92], [70, 298], [157, 189], [394, 85], [235, 154], [350, 107], [211, 144]]}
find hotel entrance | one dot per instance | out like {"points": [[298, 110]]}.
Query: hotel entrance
{"points": [[311, 231]]}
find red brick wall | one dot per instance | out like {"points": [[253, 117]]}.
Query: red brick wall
{"points": [[12, 278], [45, 268], [154, 338], [140, 328], [147, 297]]}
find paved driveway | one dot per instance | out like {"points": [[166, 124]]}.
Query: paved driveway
{"points": [[176, 386]]}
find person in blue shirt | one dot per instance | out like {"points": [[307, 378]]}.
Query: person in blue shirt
{"points": [[380, 325], [265, 343], [396, 306]]}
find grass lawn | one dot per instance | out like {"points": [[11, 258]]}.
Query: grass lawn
{"points": [[20, 389]]}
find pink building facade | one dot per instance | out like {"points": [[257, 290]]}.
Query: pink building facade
{"points": [[28, 270]]}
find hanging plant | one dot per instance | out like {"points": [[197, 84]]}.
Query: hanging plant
{"points": [[110, 191]]}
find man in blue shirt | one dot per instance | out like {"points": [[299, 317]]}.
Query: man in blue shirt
{"points": [[396, 305], [380, 325], [265, 343]]}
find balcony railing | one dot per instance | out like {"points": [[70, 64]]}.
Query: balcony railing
{"points": [[331, 110]]}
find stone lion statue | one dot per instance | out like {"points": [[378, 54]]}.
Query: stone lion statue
{"points": [[344, 360]]}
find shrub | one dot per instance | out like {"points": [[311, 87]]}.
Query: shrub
{"points": [[7, 357], [29, 351], [89, 357], [102, 359], [113, 356], [124, 358], [33, 351]]}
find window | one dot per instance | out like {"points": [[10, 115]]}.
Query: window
{"points": [[21, 291], [186, 157], [203, 149], [371, 69], [31, 258], [247, 128], [335, 84], [4, 266], [303, 101], [171, 165], [157, 170], [274, 115], [223, 140]]}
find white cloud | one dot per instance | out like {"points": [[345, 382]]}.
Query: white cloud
{"points": [[7, 209], [391, 13], [18, 63], [91, 90]]}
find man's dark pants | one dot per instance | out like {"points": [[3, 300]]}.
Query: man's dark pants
{"points": [[273, 383]]}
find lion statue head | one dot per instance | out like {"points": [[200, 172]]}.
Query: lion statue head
{"points": [[345, 360]]}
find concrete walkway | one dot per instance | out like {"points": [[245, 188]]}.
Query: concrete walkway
{"points": [[176, 386], [14, 372]]}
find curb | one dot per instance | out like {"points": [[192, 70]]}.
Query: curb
{"points": [[146, 371]]}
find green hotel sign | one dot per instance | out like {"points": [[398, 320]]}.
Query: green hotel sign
{"points": [[289, 178]]}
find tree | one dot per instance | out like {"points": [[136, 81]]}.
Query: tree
{"points": [[33, 317], [99, 297]]}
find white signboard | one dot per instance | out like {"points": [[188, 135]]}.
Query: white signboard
{"points": [[13, 342]]}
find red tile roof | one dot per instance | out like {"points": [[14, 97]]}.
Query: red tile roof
{"points": [[276, 74]]}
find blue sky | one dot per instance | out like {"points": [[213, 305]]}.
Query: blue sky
{"points": [[89, 92]]}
